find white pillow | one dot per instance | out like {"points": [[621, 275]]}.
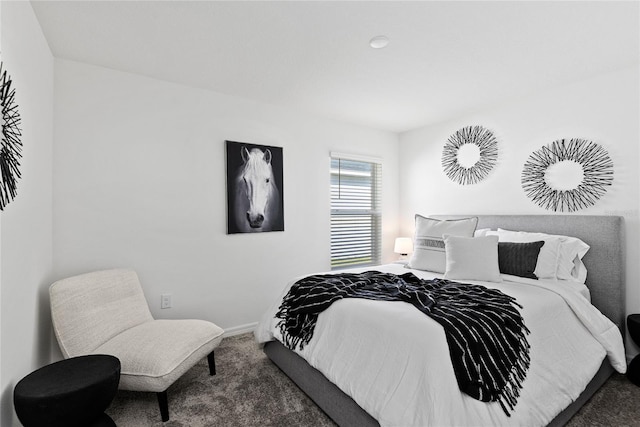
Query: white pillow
{"points": [[428, 245], [481, 232], [579, 272], [570, 266], [472, 258], [569, 257], [547, 265]]}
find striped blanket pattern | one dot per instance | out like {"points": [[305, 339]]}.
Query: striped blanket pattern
{"points": [[485, 332]]}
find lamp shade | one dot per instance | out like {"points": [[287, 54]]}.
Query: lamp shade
{"points": [[404, 245]]}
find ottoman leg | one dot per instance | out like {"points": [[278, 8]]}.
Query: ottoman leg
{"points": [[212, 363], [164, 405], [633, 371]]}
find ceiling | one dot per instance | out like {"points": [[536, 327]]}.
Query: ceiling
{"points": [[444, 58]]}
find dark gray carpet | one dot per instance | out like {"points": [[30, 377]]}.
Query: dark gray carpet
{"points": [[249, 390]]}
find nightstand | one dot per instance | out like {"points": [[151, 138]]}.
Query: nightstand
{"points": [[633, 326]]}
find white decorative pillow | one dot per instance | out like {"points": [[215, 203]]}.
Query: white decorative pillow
{"points": [[569, 253], [549, 255], [472, 258], [428, 244]]}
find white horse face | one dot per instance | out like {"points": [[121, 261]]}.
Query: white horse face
{"points": [[257, 179]]}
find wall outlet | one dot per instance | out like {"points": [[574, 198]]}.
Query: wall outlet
{"points": [[165, 301]]}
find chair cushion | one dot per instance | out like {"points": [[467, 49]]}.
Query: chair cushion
{"points": [[156, 353], [90, 309]]}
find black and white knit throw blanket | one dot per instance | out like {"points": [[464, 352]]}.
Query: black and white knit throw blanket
{"points": [[485, 331]]}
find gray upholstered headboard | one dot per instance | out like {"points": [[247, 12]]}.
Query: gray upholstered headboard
{"points": [[605, 260]]}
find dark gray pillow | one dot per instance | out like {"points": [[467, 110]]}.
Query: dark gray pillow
{"points": [[519, 259]]}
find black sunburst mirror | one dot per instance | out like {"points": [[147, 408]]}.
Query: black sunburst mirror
{"points": [[484, 143], [11, 146], [596, 170]]}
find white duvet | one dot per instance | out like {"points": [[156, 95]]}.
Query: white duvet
{"points": [[394, 361]]}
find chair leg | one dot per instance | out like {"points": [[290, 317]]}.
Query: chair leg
{"points": [[212, 363], [164, 405]]}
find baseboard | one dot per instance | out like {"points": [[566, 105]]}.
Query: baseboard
{"points": [[242, 329]]}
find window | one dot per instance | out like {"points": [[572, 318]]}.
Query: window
{"points": [[355, 211]]}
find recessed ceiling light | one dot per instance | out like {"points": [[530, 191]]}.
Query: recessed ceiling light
{"points": [[378, 42]]}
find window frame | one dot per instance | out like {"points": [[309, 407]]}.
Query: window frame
{"points": [[343, 253]]}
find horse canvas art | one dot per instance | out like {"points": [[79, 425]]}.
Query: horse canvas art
{"points": [[254, 188]]}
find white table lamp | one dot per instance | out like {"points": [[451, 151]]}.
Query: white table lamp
{"points": [[403, 246]]}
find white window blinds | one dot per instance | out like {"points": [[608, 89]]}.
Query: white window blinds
{"points": [[355, 212]]}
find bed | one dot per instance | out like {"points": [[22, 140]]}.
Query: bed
{"points": [[605, 282]]}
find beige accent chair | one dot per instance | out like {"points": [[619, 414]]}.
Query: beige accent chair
{"points": [[105, 312]]}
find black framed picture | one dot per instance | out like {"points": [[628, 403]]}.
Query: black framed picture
{"points": [[254, 188]]}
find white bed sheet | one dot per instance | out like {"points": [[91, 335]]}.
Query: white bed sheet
{"points": [[394, 361]]}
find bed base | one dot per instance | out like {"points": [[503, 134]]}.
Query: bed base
{"points": [[344, 411], [341, 408]]}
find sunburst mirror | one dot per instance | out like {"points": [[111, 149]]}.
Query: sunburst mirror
{"points": [[469, 155], [10, 146], [567, 175]]}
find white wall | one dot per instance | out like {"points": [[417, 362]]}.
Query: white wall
{"points": [[139, 180], [604, 109], [26, 240]]}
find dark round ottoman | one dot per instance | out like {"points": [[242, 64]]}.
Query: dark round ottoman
{"points": [[72, 392], [633, 326]]}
